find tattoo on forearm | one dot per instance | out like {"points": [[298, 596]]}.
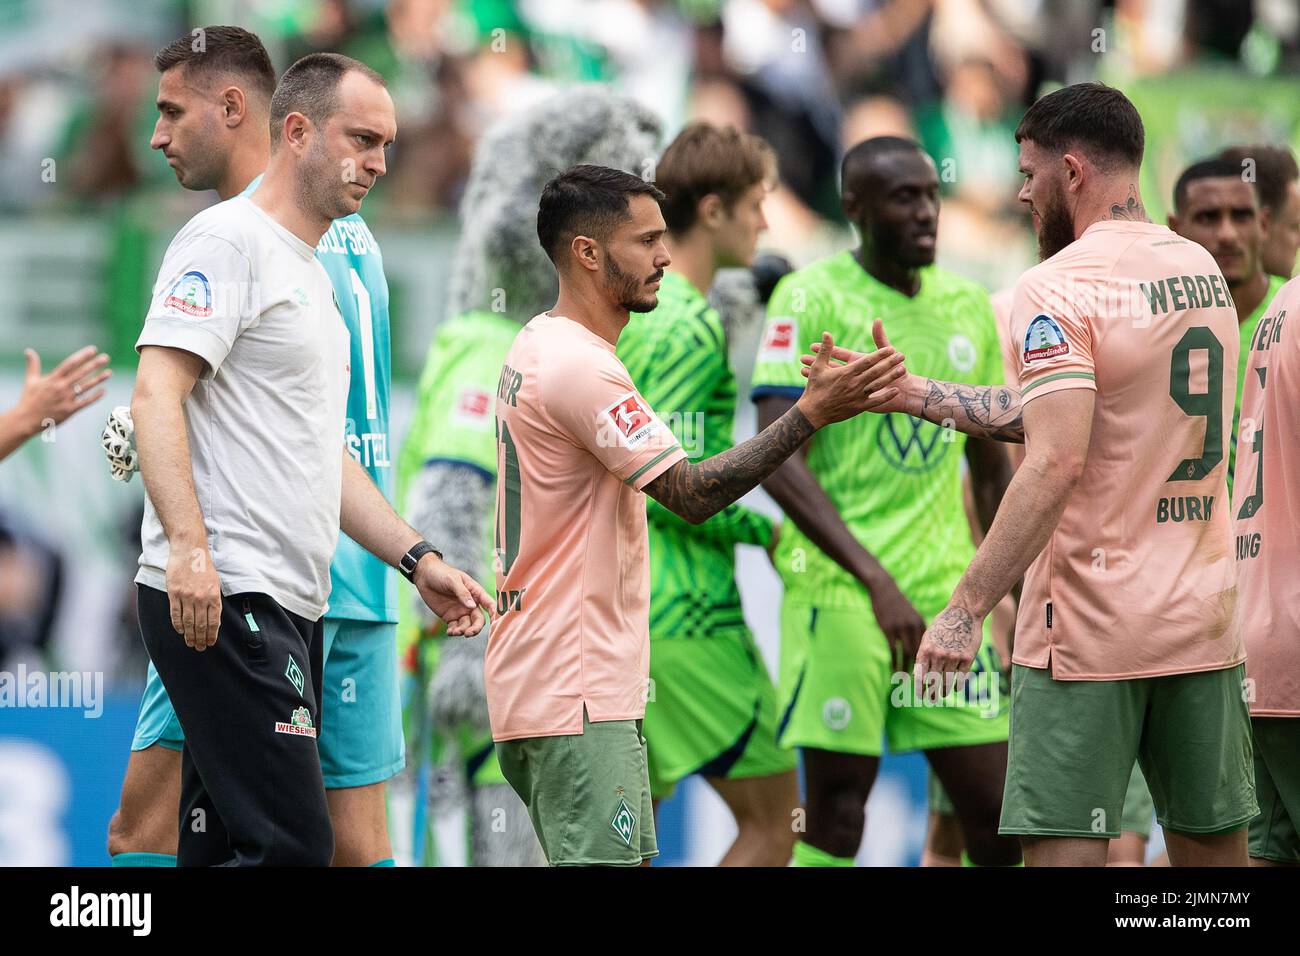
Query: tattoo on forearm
{"points": [[698, 491], [1131, 209], [985, 411], [952, 630]]}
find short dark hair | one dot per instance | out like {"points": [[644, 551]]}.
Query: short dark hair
{"points": [[209, 51], [1275, 169], [705, 159], [310, 87], [1096, 117], [586, 200], [1215, 168], [862, 155]]}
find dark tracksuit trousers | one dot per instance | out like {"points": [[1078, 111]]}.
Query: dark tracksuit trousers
{"points": [[251, 787]]}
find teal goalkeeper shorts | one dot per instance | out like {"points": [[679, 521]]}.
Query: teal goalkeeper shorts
{"points": [[361, 719]]}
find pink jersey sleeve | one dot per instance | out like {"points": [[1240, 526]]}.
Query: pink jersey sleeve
{"points": [[591, 398], [1001, 302], [1052, 345]]}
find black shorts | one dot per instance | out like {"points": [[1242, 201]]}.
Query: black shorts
{"points": [[251, 787]]}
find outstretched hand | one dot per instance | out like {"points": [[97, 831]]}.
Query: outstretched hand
{"points": [[69, 388], [843, 383], [882, 379]]}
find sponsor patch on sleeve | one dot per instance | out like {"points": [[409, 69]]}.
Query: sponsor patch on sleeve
{"points": [[778, 342], [630, 420], [190, 295], [474, 408], [1044, 340]]}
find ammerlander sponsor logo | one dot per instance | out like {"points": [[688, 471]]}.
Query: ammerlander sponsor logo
{"points": [[1044, 339], [191, 295], [80, 690], [76, 909]]}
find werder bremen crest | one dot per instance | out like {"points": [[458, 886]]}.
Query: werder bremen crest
{"points": [[624, 822]]}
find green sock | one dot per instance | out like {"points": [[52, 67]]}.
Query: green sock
{"points": [[805, 854], [966, 860], [388, 862], [144, 859]]}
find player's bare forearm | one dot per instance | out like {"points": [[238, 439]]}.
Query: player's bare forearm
{"points": [[697, 491], [163, 382], [451, 504], [1037, 497], [796, 489], [1061, 426], [981, 411], [990, 472], [15, 429], [368, 519]]}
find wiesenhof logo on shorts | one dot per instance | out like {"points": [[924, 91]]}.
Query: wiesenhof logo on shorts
{"points": [[299, 724]]}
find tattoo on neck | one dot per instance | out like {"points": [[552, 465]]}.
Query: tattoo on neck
{"points": [[1131, 209]]}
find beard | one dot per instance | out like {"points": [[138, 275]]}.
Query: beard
{"points": [[628, 291], [207, 158], [1056, 230], [322, 189]]}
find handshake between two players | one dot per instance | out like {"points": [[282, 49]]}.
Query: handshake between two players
{"points": [[950, 643]]}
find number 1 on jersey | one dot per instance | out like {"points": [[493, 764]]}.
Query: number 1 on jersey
{"points": [[508, 519], [367, 343]]}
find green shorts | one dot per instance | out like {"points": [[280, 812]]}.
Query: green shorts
{"points": [[1273, 834], [587, 794], [711, 711], [840, 690], [1138, 810], [1073, 743]]}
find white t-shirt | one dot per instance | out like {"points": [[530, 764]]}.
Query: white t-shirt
{"points": [[265, 418]]}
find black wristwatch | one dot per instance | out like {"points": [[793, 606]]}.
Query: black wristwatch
{"points": [[412, 558]]}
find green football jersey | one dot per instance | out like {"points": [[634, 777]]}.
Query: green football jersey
{"points": [[1247, 331], [455, 413], [895, 480], [677, 357]]}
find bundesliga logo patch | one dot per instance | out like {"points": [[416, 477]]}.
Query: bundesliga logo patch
{"points": [[299, 724], [632, 418], [191, 295], [1044, 340], [778, 343], [473, 407]]}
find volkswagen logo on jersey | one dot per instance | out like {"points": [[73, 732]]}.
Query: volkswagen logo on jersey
{"points": [[910, 444], [961, 353]]}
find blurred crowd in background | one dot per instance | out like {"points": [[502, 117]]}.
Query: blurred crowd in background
{"points": [[86, 207], [811, 76]]}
